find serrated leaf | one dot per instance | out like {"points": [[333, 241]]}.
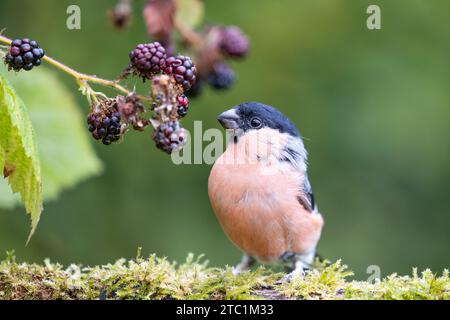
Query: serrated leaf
{"points": [[190, 12], [66, 154], [19, 159]]}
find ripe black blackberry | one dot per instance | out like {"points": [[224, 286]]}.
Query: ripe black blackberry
{"points": [[183, 70], [24, 54], [169, 137], [148, 59], [105, 124], [234, 42], [222, 76]]}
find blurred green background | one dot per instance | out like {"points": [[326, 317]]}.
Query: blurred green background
{"points": [[373, 105]]}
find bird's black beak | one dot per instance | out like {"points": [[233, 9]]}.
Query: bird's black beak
{"points": [[229, 119]]}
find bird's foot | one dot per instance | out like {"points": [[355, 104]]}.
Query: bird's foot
{"points": [[236, 270], [246, 263], [299, 274]]}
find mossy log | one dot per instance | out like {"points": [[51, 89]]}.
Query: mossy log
{"points": [[157, 278]]}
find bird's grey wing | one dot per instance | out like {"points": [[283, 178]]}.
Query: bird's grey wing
{"points": [[295, 154]]}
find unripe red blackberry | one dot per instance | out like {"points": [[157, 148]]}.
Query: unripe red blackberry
{"points": [[105, 123], [183, 105], [234, 42], [221, 77], [24, 54], [170, 137], [182, 100], [183, 70], [148, 59]]}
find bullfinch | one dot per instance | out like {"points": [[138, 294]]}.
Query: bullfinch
{"points": [[260, 192]]}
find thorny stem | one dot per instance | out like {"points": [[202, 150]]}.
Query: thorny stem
{"points": [[81, 78]]}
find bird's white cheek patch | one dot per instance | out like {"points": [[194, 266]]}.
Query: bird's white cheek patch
{"points": [[262, 148]]}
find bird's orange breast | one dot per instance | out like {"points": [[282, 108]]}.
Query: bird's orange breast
{"points": [[258, 208]]}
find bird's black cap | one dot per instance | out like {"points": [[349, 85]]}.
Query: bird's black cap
{"points": [[256, 115]]}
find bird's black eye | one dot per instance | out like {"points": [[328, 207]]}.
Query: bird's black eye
{"points": [[256, 123]]}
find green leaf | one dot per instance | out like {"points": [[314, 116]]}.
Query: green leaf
{"points": [[66, 154], [190, 12], [18, 152]]}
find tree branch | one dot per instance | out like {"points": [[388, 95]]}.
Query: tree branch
{"points": [[81, 78]]}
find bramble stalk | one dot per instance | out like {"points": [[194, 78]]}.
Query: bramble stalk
{"points": [[189, 35], [81, 78]]}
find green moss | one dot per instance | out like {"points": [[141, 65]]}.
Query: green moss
{"points": [[324, 281], [426, 286], [158, 278]]}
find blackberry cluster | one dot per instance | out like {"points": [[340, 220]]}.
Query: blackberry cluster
{"points": [[24, 54], [169, 137], [148, 59], [183, 105], [222, 76], [234, 42], [105, 126], [183, 70], [222, 43]]}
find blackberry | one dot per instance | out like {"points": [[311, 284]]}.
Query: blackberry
{"points": [[105, 125], [24, 54], [183, 70], [197, 89], [182, 100], [234, 42], [148, 59], [221, 77], [183, 111], [169, 137], [183, 105]]}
